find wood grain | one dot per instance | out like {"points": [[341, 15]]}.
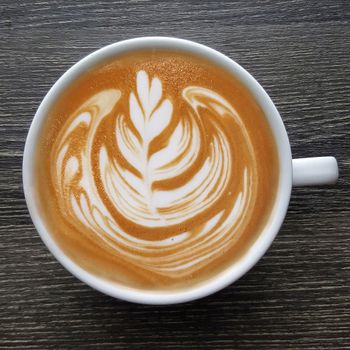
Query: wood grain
{"points": [[298, 296]]}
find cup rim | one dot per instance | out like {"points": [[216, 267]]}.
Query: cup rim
{"points": [[254, 253]]}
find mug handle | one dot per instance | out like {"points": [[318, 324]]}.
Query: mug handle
{"points": [[315, 171]]}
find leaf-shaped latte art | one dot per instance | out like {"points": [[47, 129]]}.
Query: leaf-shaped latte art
{"points": [[159, 173], [150, 116]]}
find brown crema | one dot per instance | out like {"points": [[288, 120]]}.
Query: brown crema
{"points": [[156, 170]]}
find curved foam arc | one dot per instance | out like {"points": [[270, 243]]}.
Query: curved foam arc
{"points": [[130, 189]]}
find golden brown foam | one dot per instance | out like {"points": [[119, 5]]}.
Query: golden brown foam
{"points": [[225, 127]]}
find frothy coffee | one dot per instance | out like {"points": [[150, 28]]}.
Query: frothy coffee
{"points": [[156, 170]]}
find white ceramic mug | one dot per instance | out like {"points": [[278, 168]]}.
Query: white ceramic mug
{"points": [[297, 172]]}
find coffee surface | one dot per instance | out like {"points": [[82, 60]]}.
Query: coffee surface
{"points": [[156, 169]]}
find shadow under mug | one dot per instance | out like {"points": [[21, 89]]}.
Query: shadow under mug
{"points": [[293, 172]]}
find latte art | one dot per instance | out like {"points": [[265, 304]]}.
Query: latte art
{"points": [[130, 173], [153, 182]]}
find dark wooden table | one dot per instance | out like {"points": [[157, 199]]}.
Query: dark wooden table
{"points": [[298, 296]]}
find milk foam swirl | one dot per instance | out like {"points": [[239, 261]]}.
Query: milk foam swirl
{"points": [[157, 170]]}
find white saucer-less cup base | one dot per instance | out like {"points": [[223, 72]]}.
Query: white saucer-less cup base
{"points": [[306, 172]]}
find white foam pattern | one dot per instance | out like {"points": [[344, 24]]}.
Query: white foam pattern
{"points": [[124, 188]]}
